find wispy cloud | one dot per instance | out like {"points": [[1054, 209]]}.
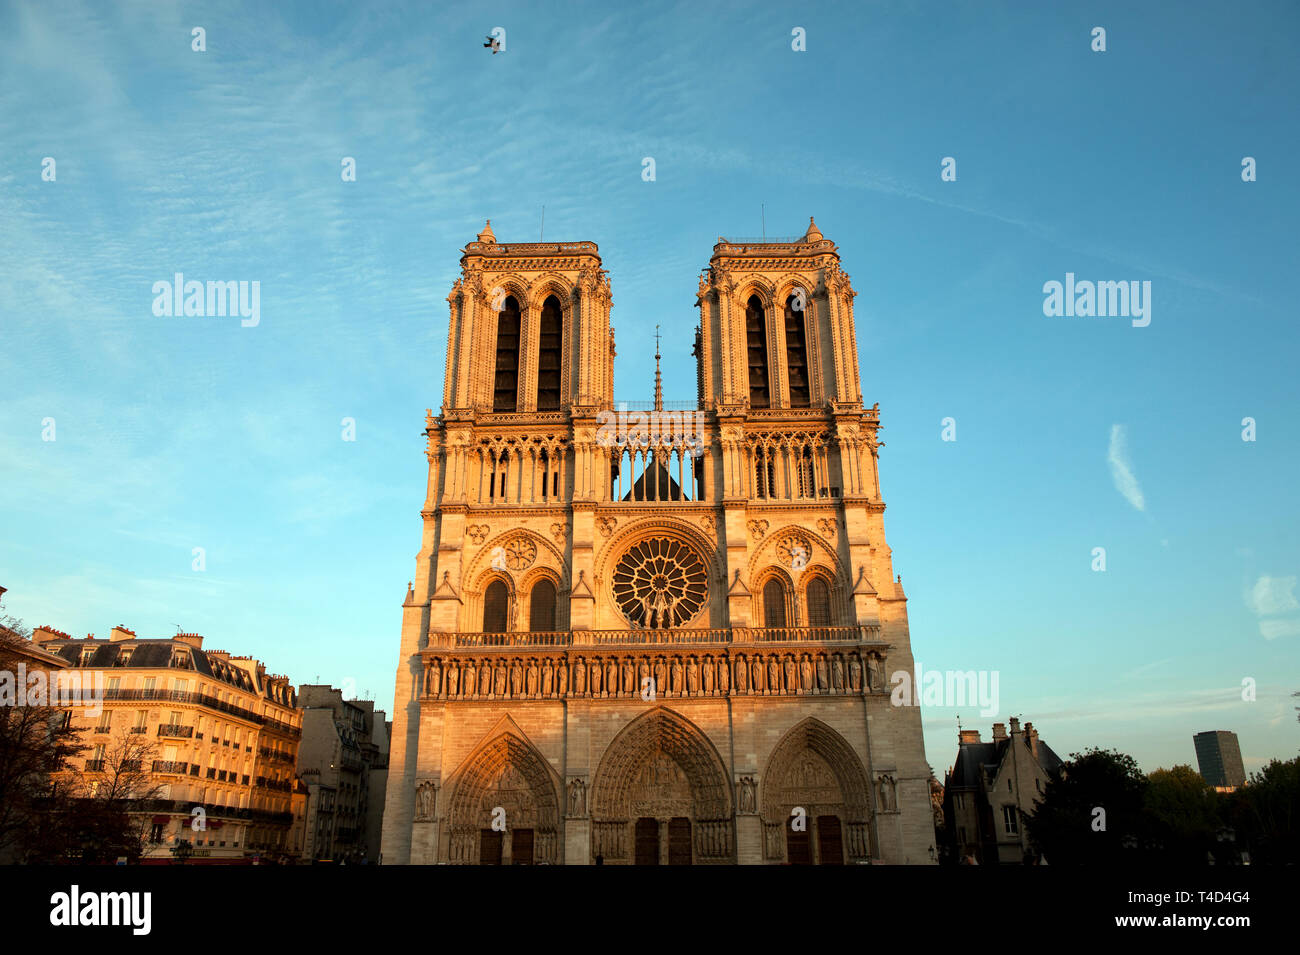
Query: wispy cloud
{"points": [[1121, 469]]}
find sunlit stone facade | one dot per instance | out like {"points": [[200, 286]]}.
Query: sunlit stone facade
{"points": [[654, 633]]}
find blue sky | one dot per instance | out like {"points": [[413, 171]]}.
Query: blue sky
{"points": [[176, 433]]}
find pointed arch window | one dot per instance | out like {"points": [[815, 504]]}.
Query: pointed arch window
{"points": [[756, 344], [773, 604], [496, 605], [505, 391], [541, 607], [796, 354], [550, 352], [819, 603]]}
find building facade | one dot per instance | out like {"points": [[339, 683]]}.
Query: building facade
{"points": [[1218, 756], [206, 739], [654, 634], [990, 789], [340, 749]]}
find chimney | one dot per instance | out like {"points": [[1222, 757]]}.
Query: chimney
{"points": [[120, 633], [193, 639], [44, 634], [999, 731], [1033, 738], [968, 736], [1015, 725]]}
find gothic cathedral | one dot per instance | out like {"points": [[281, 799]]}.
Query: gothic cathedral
{"points": [[652, 634]]}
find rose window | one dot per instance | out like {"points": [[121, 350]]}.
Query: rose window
{"points": [[794, 552], [660, 583], [520, 553]]}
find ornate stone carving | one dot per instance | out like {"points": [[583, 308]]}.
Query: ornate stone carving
{"points": [[794, 551], [606, 525], [520, 553], [827, 526], [426, 799], [577, 798], [757, 529], [477, 532], [557, 531], [888, 793], [746, 797], [660, 583]]}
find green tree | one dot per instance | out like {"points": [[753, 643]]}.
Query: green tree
{"points": [[1068, 828], [1183, 816], [1265, 813]]}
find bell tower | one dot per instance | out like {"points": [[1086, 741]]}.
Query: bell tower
{"points": [[529, 329], [776, 326]]}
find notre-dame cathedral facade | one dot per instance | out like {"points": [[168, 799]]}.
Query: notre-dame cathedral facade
{"points": [[654, 634]]}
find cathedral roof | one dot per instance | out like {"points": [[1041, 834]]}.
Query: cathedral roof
{"points": [[487, 235]]}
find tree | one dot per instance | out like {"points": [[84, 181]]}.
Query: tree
{"points": [[1265, 814], [1183, 815], [36, 742], [1067, 826]]}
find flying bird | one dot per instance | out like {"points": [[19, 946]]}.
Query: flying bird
{"points": [[494, 44]]}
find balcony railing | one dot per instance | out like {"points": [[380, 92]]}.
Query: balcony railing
{"points": [[172, 767], [176, 730], [731, 636], [202, 699], [554, 638], [94, 765]]}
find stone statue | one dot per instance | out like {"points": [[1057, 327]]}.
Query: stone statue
{"points": [[580, 677], [643, 674], [805, 674], [790, 678], [611, 677], [516, 679], [873, 671], [629, 677], [532, 677], [724, 676], [823, 677], [742, 675], [758, 673], [499, 679], [660, 676], [548, 677], [561, 677], [747, 794], [888, 798], [855, 673], [577, 797], [425, 795], [774, 675], [597, 674], [837, 674], [693, 677], [677, 676], [710, 671], [453, 679], [435, 679]]}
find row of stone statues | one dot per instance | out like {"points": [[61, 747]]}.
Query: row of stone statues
{"points": [[649, 678]]}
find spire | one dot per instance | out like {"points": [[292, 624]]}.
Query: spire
{"points": [[659, 381], [813, 234], [486, 235]]}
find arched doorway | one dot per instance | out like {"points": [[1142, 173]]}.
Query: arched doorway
{"points": [[661, 796], [816, 805], [508, 774]]}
